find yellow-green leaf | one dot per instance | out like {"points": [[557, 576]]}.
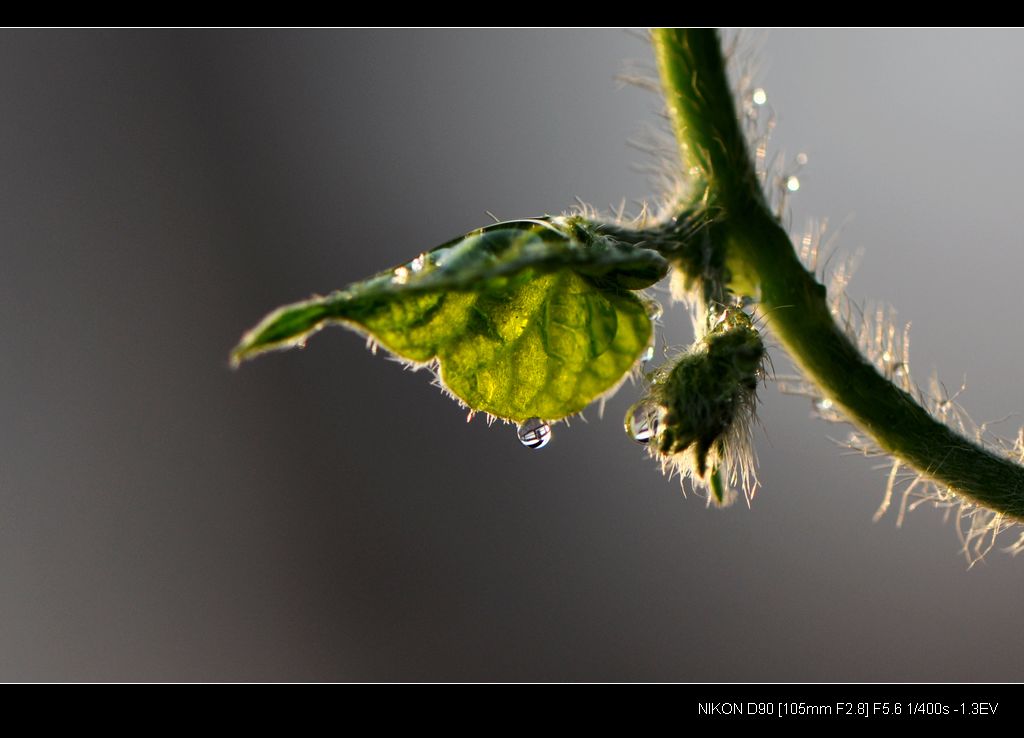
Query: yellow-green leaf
{"points": [[527, 319]]}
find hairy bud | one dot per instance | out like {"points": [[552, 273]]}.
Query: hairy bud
{"points": [[696, 416]]}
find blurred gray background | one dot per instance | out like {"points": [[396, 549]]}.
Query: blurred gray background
{"points": [[325, 514]]}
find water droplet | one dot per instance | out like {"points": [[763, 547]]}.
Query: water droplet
{"points": [[801, 158], [760, 97], [887, 357], [401, 275], [642, 422], [825, 409], [534, 433], [417, 264], [792, 183], [654, 310], [647, 355]]}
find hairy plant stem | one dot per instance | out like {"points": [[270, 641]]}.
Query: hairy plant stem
{"points": [[761, 263]]}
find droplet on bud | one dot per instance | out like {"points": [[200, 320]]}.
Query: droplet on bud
{"points": [[792, 183], [654, 309], [642, 422], [534, 433], [760, 97]]}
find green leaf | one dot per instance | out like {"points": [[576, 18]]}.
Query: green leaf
{"points": [[526, 319]]}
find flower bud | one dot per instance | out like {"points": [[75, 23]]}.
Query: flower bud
{"points": [[697, 413]]}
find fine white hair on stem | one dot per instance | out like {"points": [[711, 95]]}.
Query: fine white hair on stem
{"points": [[885, 342], [873, 328]]}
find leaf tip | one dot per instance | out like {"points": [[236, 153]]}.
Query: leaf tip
{"points": [[287, 327], [237, 356]]}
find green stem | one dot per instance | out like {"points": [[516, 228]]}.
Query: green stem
{"points": [[761, 263]]}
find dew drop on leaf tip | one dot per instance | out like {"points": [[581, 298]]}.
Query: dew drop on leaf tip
{"points": [[534, 433]]}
